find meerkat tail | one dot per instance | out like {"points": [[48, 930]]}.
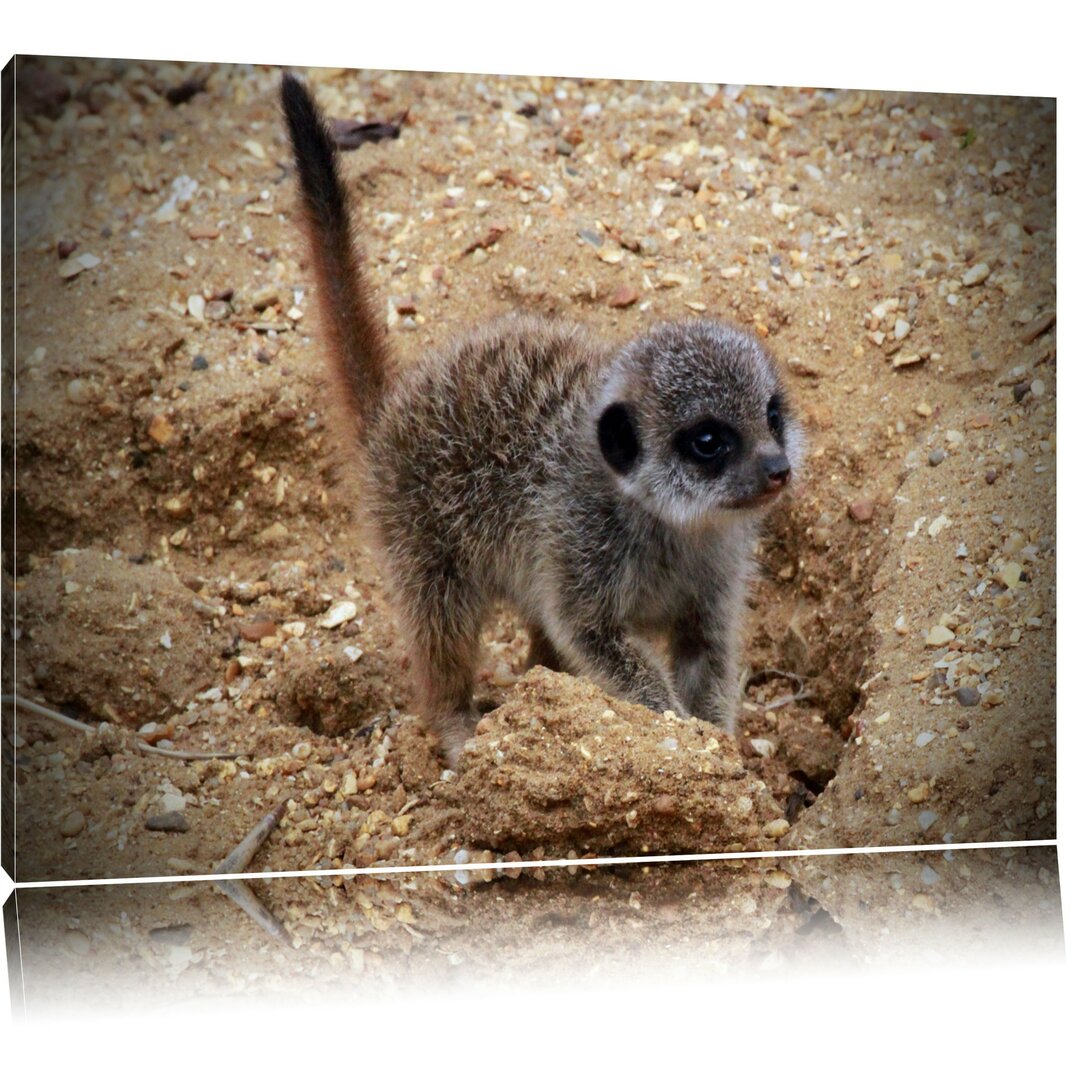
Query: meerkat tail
{"points": [[359, 350]]}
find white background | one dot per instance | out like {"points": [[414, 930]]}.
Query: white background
{"points": [[996, 1022]]}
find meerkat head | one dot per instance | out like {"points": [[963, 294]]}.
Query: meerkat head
{"points": [[694, 424]]}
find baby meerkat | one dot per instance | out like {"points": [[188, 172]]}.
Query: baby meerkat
{"points": [[612, 495]]}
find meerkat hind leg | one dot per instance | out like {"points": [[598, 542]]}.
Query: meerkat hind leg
{"points": [[444, 663]]}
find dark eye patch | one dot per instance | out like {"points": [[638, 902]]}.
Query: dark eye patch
{"points": [[618, 438], [774, 414], [708, 443]]}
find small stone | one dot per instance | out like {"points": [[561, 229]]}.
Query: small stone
{"points": [[907, 359], [938, 636], [624, 296], [258, 628], [341, 612], [935, 457], [1019, 391], [919, 793], [81, 392], [65, 248], [200, 363], [1038, 388], [77, 264], [273, 534], [161, 430], [1009, 575], [861, 510], [926, 819], [939, 523], [763, 747], [264, 298], [924, 738], [929, 876], [990, 476], [902, 329], [967, 696], [976, 275], [924, 409], [173, 822], [803, 367], [196, 307], [72, 824], [217, 310], [776, 828], [178, 934]]}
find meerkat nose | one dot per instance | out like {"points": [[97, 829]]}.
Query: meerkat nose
{"points": [[777, 470]]}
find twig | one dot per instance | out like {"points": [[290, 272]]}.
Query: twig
{"points": [[787, 699], [77, 725], [237, 861]]}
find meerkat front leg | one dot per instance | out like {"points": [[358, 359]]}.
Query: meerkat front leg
{"points": [[603, 651], [705, 654]]}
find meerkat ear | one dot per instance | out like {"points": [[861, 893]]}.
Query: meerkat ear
{"points": [[618, 438]]}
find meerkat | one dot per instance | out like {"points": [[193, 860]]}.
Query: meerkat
{"points": [[612, 495]]}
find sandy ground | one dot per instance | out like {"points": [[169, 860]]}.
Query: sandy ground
{"points": [[182, 558]]}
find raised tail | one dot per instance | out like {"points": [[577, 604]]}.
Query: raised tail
{"points": [[359, 349]]}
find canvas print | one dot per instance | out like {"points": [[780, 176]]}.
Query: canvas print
{"points": [[410, 469]]}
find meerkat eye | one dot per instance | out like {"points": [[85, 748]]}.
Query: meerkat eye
{"points": [[775, 416], [618, 438], [708, 442]]}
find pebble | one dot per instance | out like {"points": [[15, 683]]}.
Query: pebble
{"points": [[273, 534], [81, 392], [967, 695], [72, 824], [763, 747], [77, 264], [861, 510], [907, 359], [926, 819], [1009, 575], [196, 306], [1038, 388], [776, 828], [341, 612], [172, 822], [624, 296], [990, 475], [924, 738], [161, 430], [803, 367], [178, 934], [258, 628], [902, 329], [935, 457], [939, 635], [929, 876], [200, 363]]}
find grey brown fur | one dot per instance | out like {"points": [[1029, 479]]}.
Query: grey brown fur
{"points": [[612, 495]]}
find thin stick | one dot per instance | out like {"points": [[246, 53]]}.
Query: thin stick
{"points": [[77, 725], [237, 861], [786, 699]]}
